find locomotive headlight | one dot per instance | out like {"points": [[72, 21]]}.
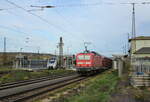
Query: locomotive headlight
{"points": [[84, 63], [80, 63]]}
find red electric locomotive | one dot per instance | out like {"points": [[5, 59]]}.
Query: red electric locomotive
{"points": [[91, 62]]}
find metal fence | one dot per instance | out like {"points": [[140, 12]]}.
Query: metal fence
{"points": [[33, 64]]}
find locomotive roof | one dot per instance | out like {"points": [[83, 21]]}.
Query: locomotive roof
{"points": [[88, 52], [96, 53], [91, 52]]}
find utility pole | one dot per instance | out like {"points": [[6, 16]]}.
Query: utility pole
{"points": [[128, 37], [4, 44], [60, 45], [38, 52], [4, 52], [133, 21], [133, 27], [125, 49], [133, 24], [20, 58]]}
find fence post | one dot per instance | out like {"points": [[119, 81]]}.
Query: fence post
{"points": [[120, 69]]}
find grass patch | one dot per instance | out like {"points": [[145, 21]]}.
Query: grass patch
{"points": [[25, 75], [98, 89], [8, 69]]}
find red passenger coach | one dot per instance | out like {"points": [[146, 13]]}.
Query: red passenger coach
{"points": [[91, 62]]}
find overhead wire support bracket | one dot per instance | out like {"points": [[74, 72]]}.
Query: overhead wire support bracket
{"points": [[69, 5], [43, 6]]}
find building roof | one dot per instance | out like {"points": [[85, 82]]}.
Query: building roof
{"points": [[144, 50], [140, 38]]}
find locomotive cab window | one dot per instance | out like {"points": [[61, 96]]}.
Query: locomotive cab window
{"points": [[84, 57], [52, 61]]}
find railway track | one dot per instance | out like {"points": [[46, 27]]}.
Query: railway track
{"points": [[29, 91], [4, 72], [36, 80]]}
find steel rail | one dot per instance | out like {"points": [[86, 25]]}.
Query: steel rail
{"points": [[47, 89], [31, 81], [17, 91]]}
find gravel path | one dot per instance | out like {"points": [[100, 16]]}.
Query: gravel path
{"points": [[123, 92]]}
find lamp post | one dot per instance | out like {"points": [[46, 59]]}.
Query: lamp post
{"points": [[20, 57]]}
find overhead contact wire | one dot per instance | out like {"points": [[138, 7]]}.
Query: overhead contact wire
{"points": [[41, 18]]}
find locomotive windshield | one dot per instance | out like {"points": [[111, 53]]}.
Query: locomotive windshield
{"points": [[52, 61], [84, 57]]}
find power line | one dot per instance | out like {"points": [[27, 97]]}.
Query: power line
{"points": [[79, 5], [8, 28], [42, 19], [3, 9], [8, 11], [75, 5], [64, 18], [59, 13], [133, 21], [71, 5]]}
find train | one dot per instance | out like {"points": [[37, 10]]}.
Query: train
{"points": [[88, 63], [52, 63]]}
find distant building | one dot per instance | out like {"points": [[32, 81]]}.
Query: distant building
{"points": [[11, 57], [140, 60]]}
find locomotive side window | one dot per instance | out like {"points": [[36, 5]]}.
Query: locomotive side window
{"points": [[83, 57]]}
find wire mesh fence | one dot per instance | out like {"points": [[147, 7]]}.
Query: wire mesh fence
{"points": [[33, 64]]}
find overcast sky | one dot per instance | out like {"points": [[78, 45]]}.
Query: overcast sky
{"points": [[77, 21]]}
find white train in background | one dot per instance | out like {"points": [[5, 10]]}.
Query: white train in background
{"points": [[68, 63], [52, 63]]}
